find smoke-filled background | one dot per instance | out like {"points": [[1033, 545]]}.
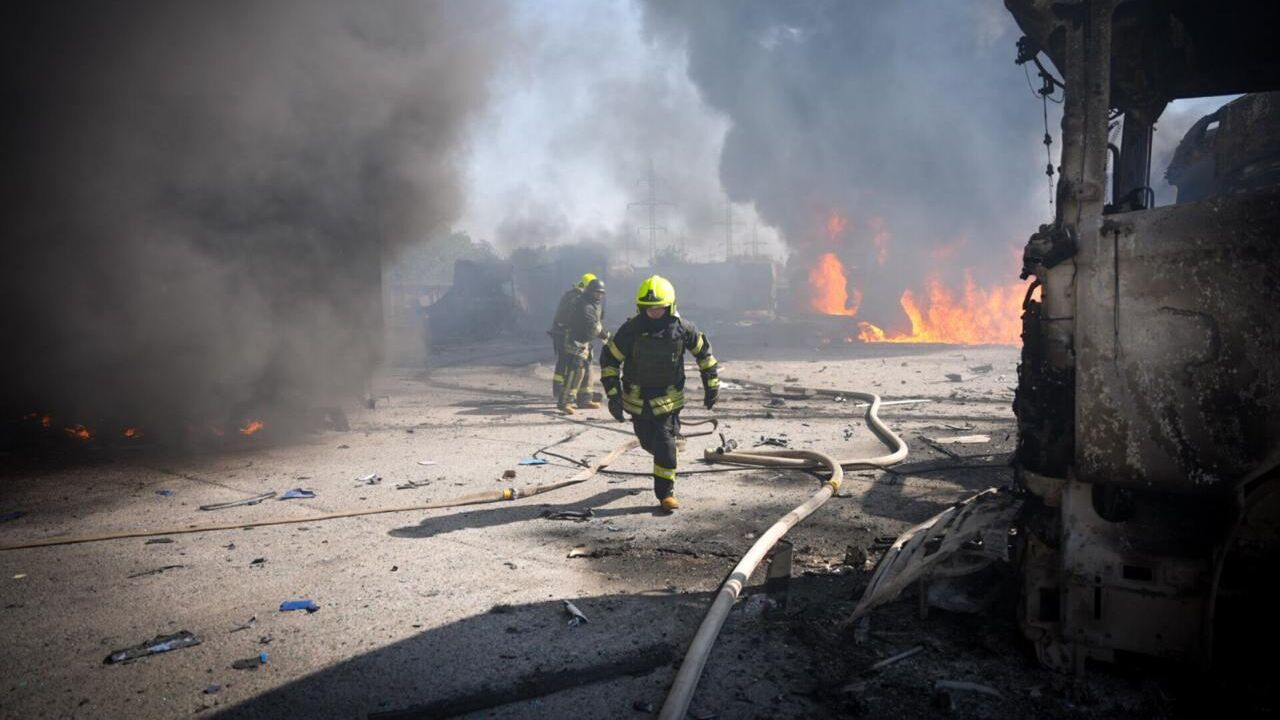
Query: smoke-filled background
{"points": [[198, 195], [908, 121], [900, 136]]}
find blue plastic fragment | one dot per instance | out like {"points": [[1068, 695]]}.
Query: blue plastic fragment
{"points": [[533, 461], [13, 515], [165, 493], [297, 493], [308, 605]]}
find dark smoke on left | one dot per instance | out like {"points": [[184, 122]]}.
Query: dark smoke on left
{"points": [[198, 196]]}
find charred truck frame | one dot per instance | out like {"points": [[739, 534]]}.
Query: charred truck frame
{"points": [[1148, 398]]}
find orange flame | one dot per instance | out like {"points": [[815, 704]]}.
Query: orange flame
{"points": [[253, 427], [79, 432], [46, 422], [132, 433], [982, 316], [829, 288]]}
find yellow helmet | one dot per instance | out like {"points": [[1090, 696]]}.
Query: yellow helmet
{"points": [[656, 291], [586, 280]]}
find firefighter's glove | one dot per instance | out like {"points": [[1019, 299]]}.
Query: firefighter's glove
{"points": [[709, 397], [615, 408]]}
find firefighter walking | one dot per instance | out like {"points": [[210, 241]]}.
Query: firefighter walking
{"points": [[642, 370], [560, 329], [584, 325]]}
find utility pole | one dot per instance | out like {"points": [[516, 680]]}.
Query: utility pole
{"points": [[755, 238], [728, 223], [651, 202]]}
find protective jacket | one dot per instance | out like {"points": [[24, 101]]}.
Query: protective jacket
{"points": [[564, 311], [645, 363], [585, 322]]}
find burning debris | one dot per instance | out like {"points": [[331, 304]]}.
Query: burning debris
{"points": [[252, 427]]}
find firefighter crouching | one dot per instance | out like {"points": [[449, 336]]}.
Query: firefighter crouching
{"points": [[642, 370], [560, 328], [586, 324]]}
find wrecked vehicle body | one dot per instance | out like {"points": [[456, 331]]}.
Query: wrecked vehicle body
{"points": [[1148, 400]]}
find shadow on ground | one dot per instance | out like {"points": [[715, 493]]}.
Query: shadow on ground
{"points": [[508, 514]]}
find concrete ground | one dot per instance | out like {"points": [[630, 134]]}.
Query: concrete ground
{"points": [[465, 604]]}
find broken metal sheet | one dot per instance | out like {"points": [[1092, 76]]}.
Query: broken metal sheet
{"points": [[982, 521]]}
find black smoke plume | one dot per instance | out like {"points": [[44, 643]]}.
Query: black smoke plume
{"points": [[198, 195], [907, 118]]}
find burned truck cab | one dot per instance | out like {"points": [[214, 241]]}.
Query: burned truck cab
{"points": [[1148, 398]]}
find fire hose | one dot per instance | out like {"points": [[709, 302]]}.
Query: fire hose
{"points": [[695, 659]]}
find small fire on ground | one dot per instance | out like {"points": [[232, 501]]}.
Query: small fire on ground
{"points": [[972, 315], [252, 427]]}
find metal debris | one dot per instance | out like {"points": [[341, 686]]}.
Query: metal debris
{"points": [[896, 658], [917, 552], [155, 646], [238, 503], [575, 615], [298, 493], [961, 439], [954, 377], [370, 479]]}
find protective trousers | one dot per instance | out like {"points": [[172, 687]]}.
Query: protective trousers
{"points": [[577, 379], [558, 377], [657, 436]]}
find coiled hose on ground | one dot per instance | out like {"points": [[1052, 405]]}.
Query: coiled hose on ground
{"points": [[681, 693]]}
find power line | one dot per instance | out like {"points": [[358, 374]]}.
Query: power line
{"points": [[652, 202], [728, 224]]}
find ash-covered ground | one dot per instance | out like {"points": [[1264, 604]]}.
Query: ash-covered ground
{"points": [[462, 607]]}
